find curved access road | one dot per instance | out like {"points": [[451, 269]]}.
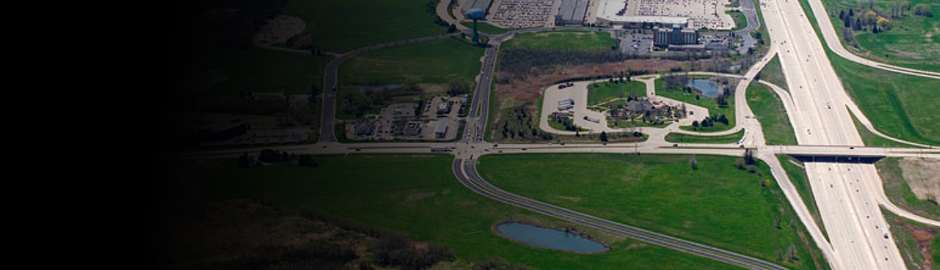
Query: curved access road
{"points": [[330, 80], [466, 173], [835, 44]]}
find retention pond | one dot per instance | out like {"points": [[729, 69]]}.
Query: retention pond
{"points": [[548, 238], [708, 88]]}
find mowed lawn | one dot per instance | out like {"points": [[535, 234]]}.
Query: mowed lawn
{"points": [[773, 73], [913, 41], [717, 204], [419, 196], [771, 114], [262, 70], [603, 91], [437, 61], [685, 138], [484, 27], [562, 41], [340, 26], [901, 106], [708, 103]]}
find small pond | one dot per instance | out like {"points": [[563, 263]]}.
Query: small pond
{"points": [[549, 238], [707, 87]]}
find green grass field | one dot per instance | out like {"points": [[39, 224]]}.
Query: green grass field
{"points": [[895, 103], [418, 195], [716, 204], [683, 138], [708, 103], [898, 105], [913, 41], [603, 91], [870, 139], [771, 114], [261, 70], [562, 40], [906, 242], [773, 73], [798, 177], [340, 26], [438, 61], [487, 28], [899, 192], [740, 21]]}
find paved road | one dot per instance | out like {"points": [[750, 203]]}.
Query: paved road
{"points": [[330, 82], [753, 22]]}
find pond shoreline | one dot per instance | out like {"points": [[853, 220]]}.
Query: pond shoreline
{"points": [[579, 234]]}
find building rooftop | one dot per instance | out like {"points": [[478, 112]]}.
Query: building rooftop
{"points": [[608, 9]]}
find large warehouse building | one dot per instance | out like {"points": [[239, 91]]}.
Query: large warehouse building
{"points": [[571, 12]]}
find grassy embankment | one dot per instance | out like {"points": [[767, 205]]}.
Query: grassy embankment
{"points": [[684, 138], [716, 204], [897, 187], [773, 73], [562, 41], [487, 28], [912, 40], [771, 114], [419, 197], [341, 26], [797, 175]]}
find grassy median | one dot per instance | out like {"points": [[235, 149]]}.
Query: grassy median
{"points": [[771, 114]]}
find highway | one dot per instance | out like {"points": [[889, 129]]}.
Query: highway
{"points": [[846, 193]]}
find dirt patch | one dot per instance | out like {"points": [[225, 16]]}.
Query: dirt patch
{"points": [[923, 238], [687, 224], [811, 254], [466, 203], [280, 29], [195, 234], [419, 196], [921, 175], [569, 198], [636, 245], [528, 88]]}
